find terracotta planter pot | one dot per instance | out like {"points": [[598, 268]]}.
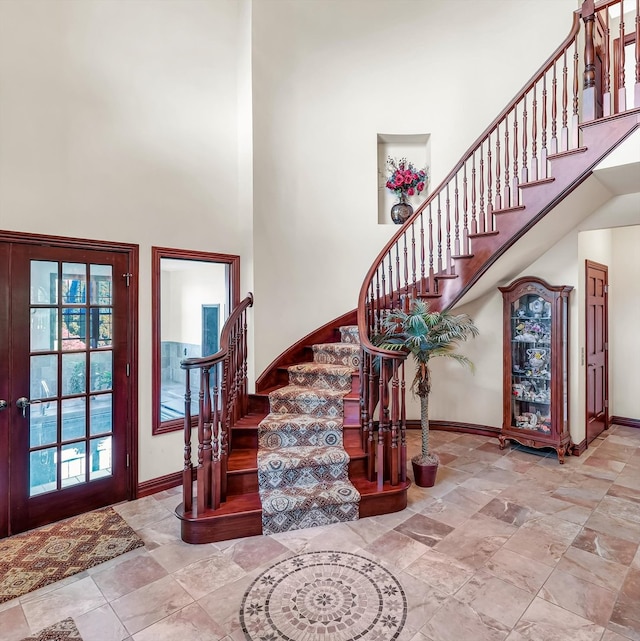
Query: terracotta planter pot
{"points": [[424, 475]]}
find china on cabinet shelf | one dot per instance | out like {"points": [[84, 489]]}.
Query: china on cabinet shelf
{"points": [[535, 364]]}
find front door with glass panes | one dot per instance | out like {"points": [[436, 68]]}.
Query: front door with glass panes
{"points": [[67, 398]]}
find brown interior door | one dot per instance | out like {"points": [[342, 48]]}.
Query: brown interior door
{"points": [[597, 414], [66, 428]]}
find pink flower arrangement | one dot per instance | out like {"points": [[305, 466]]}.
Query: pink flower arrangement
{"points": [[404, 178]]}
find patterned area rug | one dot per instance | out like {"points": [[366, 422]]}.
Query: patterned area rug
{"points": [[37, 558], [62, 631], [324, 595]]}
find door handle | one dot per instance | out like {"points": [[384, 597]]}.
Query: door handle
{"points": [[22, 403], [3, 404]]}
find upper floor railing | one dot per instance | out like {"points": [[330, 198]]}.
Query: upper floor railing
{"points": [[594, 74], [222, 400]]}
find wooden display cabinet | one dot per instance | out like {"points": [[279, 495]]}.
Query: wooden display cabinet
{"points": [[536, 363]]}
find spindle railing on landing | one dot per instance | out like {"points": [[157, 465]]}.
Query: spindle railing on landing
{"points": [[222, 400], [584, 80]]}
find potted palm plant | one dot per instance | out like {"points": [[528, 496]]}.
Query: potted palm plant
{"points": [[426, 334]]}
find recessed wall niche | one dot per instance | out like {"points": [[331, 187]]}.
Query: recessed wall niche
{"points": [[416, 148]]}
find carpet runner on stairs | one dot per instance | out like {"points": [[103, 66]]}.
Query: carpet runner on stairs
{"points": [[303, 474]]}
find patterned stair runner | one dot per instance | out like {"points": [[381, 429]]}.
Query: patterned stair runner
{"points": [[302, 465]]}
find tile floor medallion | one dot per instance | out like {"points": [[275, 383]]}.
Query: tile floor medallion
{"points": [[318, 596]]}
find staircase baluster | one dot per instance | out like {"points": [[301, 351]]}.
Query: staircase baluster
{"points": [[378, 303], [465, 205], [371, 452], [481, 217], [525, 146], [403, 427], [218, 466], [447, 258], [606, 67], [383, 281], [490, 224], [364, 398], [589, 76], [534, 136], [222, 370], [245, 387], [554, 111], [456, 242], [564, 134], [515, 192], [371, 306], [187, 472], [498, 191], [406, 263], [422, 256], [439, 231], [413, 259], [395, 417], [397, 287], [204, 447], [574, 116], [383, 392], [622, 94], [507, 185], [543, 151], [219, 472], [474, 220], [431, 287]]}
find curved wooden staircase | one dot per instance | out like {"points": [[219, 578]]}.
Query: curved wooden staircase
{"points": [[539, 149]]}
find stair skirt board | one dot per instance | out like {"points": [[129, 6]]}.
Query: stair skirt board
{"points": [[303, 478]]}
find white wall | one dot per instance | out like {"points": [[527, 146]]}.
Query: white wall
{"points": [[120, 121], [329, 76], [624, 312]]}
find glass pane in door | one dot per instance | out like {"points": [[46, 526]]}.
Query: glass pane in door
{"points": [[71, 377]]}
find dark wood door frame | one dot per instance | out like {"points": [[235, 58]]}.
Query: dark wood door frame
{"points": [[131, 251]]}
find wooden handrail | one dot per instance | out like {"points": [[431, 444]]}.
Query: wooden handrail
{"points": [[222, 400]]}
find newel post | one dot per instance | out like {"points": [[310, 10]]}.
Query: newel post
{"points": [[589, 85]]}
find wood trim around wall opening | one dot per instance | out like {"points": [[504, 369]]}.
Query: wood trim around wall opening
{"points": [[158, 426]]}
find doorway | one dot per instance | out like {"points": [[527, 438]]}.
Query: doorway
{"points": [[596, 340], [68, 326]]}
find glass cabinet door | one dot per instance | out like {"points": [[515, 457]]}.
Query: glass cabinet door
{"points": [[536, 397], [531, 360]]}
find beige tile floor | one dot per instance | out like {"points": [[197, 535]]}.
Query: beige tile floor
{"points": [[507, 545]]}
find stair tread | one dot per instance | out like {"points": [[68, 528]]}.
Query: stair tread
{"points": [[308, 497], [337, 344], [507, 210], [275, 420], [299, 390], [331, 368], [300, 456], [370, 488]]}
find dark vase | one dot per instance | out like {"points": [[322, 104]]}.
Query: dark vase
{"points": [[425, 475], [401, 211]]}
